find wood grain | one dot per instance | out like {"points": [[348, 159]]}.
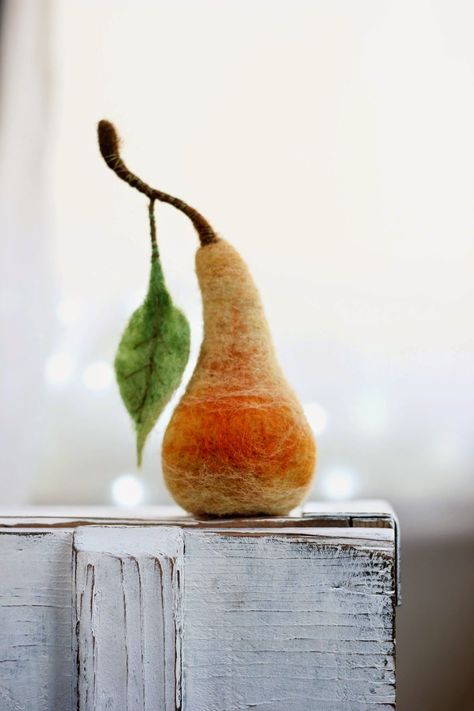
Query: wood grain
{"points": [[36, 668], [127, 598], [177, 614], [278, 622]]}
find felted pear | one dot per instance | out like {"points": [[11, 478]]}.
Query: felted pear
{"points": [[238, 442]]}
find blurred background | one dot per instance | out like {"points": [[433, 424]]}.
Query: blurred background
{"points": [[332, 143]]}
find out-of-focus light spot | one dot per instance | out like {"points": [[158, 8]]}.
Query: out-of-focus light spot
{"points": [[371, 414], [338, 483], [127, 490], [316, 416], [68, 311], [97, 376], [59, 368]]}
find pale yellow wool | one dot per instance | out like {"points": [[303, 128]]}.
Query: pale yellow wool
{"points": [[238, 442]]}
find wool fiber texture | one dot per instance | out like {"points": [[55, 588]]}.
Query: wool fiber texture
{"points": [[152, 355], [238, 443]]}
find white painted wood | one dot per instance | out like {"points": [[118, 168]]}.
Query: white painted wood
{"points": [[172, 613], [36, 666], [53, 516], [366, 507], [13, 515], [277, 621], [127, 600]]}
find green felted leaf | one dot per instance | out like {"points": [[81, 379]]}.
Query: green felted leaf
{"points": [[152, 355]]}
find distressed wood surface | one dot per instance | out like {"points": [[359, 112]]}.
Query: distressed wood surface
{"points": [[278, 622], [311, 513], [170, 613], [127, 597], [36, 666]]}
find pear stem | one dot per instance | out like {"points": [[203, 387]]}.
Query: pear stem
{"points": [[109, 144]]}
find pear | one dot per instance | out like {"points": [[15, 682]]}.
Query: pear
{"points": [[238, 442]]}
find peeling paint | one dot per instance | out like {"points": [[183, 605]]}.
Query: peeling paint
{"points": [[267, 614]]}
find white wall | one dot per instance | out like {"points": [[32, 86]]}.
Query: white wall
{"points": [[332, 143]]}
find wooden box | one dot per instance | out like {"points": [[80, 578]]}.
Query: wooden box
{"points": [[157, 612]]}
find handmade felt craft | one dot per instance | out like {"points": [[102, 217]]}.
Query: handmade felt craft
{"points": [[238, 443], [153, 352]]}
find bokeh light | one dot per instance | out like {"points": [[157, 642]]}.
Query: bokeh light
{"points": [[127, 490], [338, 483]]}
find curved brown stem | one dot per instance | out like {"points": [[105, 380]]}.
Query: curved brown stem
{"points": [[109, 145]]}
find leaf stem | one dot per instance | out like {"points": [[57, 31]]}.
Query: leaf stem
{"points": [[151, 216], [109, 145]]}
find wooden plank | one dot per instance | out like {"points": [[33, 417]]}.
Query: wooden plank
{"points": [[312, 514], [371, 522], [36, 666], [276, 621], [366, 507], [128, 590], [199, 615]]}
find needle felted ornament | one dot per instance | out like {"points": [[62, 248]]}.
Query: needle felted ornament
{"points": [[238, 442], [154, 348]]}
